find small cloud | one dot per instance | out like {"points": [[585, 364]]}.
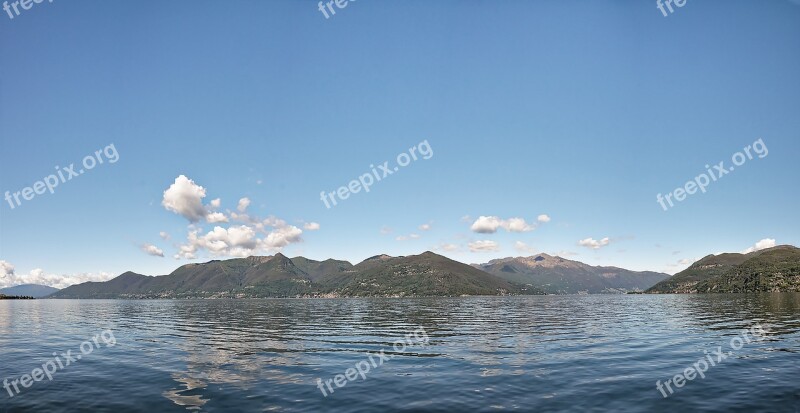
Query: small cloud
{"points": [[214, 204], [152, 250], [486, 224], [215, 217], [243, 204], [760, 245], [425, 227], [490, 224], [483, 246], [517, 225], [259, 182], [184, 197], [408, 237], [466, 218], [524, 248], [543, 218], [163, 235], [565, 254], [6, 269], [311, 226], [447, 247], [594, 244]]}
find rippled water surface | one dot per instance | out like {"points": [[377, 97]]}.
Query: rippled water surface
{"points": [[544, 353]]}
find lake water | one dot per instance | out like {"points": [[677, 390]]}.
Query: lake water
{"points": [[542, 353]]}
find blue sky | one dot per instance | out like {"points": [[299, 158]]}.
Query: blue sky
{"points": [[580, 111]]}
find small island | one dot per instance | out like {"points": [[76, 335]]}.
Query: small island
{"points": [[15, 297]]}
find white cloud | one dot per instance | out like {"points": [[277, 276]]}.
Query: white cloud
{"points": [[760, 245], [425, 227], [220, 241], [216, 217], [543, 218], [283, 236], [517, 225], [186, 251], [11, 278], [407, 237], [163, 235], [593, 243], [486, 224], [466, 218], [565, 253], [243, 204], [524, 248], [152, 250], [447, 247], [6, 269], [241, 240], [184, 197], [483, 246], [255, 236], [490, 224]]}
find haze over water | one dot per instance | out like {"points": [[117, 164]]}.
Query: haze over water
{"points": [[540, 353]]}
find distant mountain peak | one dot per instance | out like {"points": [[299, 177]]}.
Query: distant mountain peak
{"points": [[28, 290], [129, 274], [258, 259], [559, 275], [381, 257]]}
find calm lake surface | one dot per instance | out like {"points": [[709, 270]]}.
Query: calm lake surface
{"points": [[543, 353]]}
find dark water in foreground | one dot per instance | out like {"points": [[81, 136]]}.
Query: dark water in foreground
{"points": [[553, 353]]}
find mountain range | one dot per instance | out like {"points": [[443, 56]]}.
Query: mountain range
{"points": [[28, 290], [775, 269], [426, 274], [429, 274], [556, 275]]}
